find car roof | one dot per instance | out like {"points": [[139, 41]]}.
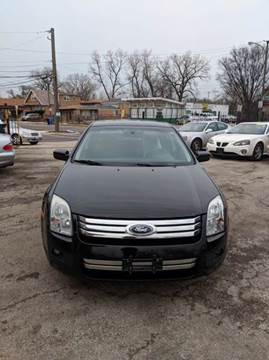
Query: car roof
{"points": [[131, 123], [255, 123]]}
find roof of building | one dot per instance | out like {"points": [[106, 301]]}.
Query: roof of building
{"points": [[153, 99], [41, 96], [11, 101]]}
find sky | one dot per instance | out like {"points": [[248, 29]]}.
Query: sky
{"points": [[209, 27]]}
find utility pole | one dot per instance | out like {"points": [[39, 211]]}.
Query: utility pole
{"points": [[55, 81]]}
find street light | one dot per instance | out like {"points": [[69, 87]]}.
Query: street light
{"points": [[264, 67]]}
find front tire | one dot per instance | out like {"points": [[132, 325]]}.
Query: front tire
{"points": [[16, 139], [196, 145], [33, 142], [257, 152]]}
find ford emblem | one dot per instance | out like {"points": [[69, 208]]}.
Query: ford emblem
{"points": [[140, 229]]}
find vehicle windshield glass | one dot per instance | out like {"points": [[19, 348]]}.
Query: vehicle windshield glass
{"points": [[193, 127], [133, 146], [251, 129]]}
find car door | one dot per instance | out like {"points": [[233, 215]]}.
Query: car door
{"points": [[210, 131], [222, 127]]}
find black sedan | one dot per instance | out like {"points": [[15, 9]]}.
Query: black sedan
{"points": [[133, 201]]}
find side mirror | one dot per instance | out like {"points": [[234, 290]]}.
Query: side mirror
{"points": [[208, 130], [202, 156], [61, 154]]}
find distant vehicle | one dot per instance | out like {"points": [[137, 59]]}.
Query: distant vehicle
{"points": [[197, 133], [245, 140], [133, 200], [7, 153], [31, 116], [20, 135]]}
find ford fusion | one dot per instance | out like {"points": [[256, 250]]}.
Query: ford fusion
{"points": [[245, 140], [133, 201]]}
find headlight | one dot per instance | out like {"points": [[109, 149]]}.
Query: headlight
{"points": [[242, 143], [60, 216], [211, 141], [215, 217]]}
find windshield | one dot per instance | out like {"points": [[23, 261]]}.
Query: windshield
{"points": [[131, 145], [251, 129], [193, 127]]}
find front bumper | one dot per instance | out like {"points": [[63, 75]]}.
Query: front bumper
{"points": [[244, 151], [94, 259]]}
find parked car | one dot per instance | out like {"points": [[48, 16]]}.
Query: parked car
{"points": [[132, 200], [20, 135], [245, 140], [197, 133], [7, 153], [31, 117]]}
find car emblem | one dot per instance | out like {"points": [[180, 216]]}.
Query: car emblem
{"points": [[140, 229]]}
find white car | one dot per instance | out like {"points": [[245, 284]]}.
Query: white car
{"points": [[197, 133], [19, 135], [249, 139]]}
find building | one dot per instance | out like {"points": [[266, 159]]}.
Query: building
{"points": [[11, 107], [153, 108], [220, 110]]}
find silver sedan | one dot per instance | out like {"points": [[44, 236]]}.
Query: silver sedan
{"points": [[7, 153], [197, 133]]}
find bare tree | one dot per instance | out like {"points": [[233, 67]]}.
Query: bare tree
{"points": [[80, 85], [107, 71], [43, 78], [150, 72], [22, 91], [241, 76], [182, 71]]}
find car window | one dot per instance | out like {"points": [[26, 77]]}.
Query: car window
{"points": [[126, 145], [194, 127], [213, 126], [248, 128], [222, 126], [267, 132]]}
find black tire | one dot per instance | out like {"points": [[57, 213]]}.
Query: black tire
{"points": [[16, 139], [257, 152], [196, 145], [33, 142]]}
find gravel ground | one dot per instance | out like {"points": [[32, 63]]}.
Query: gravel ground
{"points": [[45, 314]]}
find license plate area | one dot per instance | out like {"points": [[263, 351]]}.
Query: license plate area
{"points": [[220, 150], [131, 265]]}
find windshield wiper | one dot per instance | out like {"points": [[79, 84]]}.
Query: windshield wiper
{"points": [[88, 162], [154, 165]]}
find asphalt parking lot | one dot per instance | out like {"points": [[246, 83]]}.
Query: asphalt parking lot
{"points": [[45, 314]]}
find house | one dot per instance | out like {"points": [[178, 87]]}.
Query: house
{"points": [[11, 106], [152, 108], [42, 102]]}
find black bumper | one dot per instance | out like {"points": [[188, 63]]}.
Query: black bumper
{"points": [[134, 262]]}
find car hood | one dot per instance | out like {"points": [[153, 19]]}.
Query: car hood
{"points": [[136, 192], [235, 137]]}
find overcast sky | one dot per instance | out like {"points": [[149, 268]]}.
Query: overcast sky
{"points": [[208, 27]]}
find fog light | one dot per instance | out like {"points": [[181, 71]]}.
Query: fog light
{"points": [[243, 152], [56, 252]]}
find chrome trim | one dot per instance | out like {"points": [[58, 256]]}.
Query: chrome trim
{"points": [[181, 261], [146, 221], [118, 229], [128, 236], [117, 265]]}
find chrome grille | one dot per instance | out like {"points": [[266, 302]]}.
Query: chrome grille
{"points": [[117, 229], [138, 264]]}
